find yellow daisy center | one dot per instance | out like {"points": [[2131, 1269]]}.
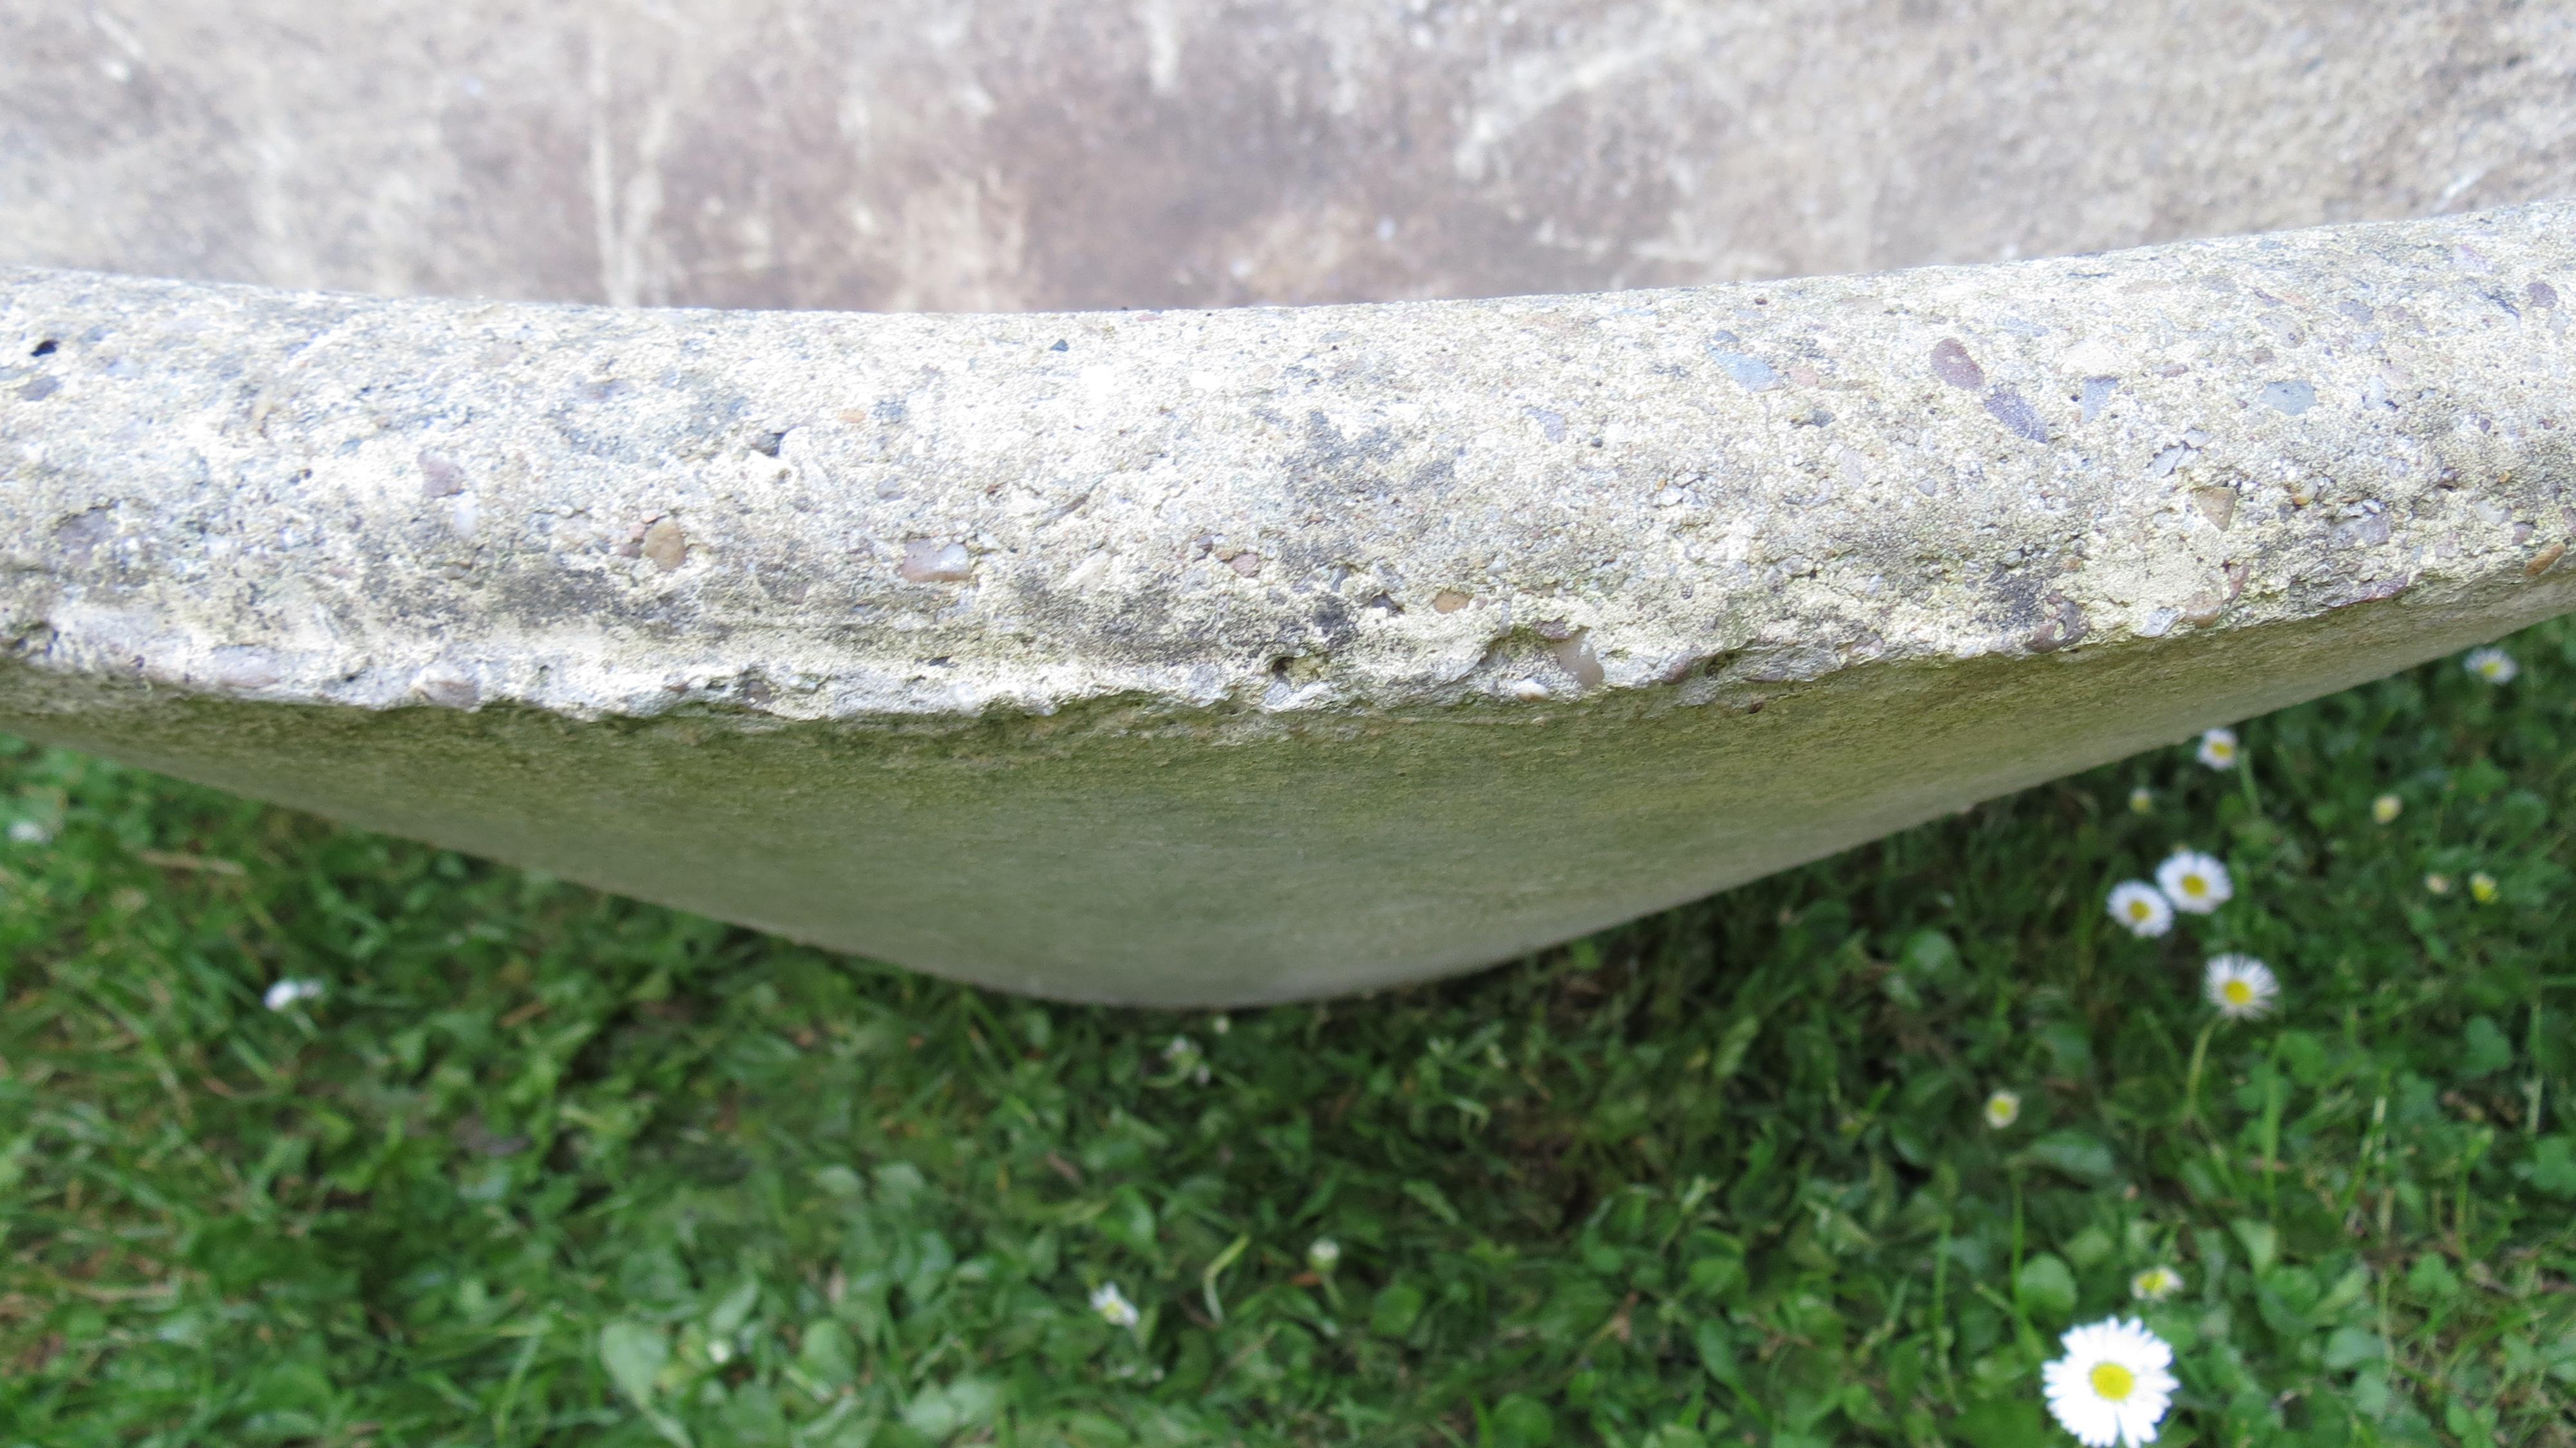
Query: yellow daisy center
{"points": [[2140, 910], [2237, 992], [2194, 886], [2113, 1382]]}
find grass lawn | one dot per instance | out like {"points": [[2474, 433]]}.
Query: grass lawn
{"points": [[543, 1166]]}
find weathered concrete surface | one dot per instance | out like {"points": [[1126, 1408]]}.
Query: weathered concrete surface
{"points": [[1007, 155], [1227, 656], [1231, 655]]}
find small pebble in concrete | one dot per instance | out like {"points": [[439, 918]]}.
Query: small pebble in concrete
{"points": [[1952, 364], [2097, 395], [2293, 397], [928, 560], [666, 545], [447, 685], [2218, 505], [1747, 369], [440, 477], [244, 668], [2009, 408], [1573, 653]]}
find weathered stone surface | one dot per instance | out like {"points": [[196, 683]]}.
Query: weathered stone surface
{"points": [[1237, 655], [1007, 155]]}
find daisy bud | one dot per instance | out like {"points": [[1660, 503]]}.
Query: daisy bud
{"points": [[2155, 1284], [287, 992], [1113, 1306]]}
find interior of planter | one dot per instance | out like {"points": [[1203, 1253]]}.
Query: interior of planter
{"points": [[953, 155]]}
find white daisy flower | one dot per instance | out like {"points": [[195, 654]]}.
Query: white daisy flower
{"points": [[2142, 800], [2195, 882], [2241, 986], [2386, 808], [2113, 1386], [1113, 1306], [1219, 1025], [1324, 1254], [2493, 665], [2482, 888], [2218, 749], [2438, 884], [287, 992], [2155, 1284], [2003, 1109], [2140, 909], [29, 832]]}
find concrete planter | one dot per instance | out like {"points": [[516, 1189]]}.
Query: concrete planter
{"points": [[1201, 656]]}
